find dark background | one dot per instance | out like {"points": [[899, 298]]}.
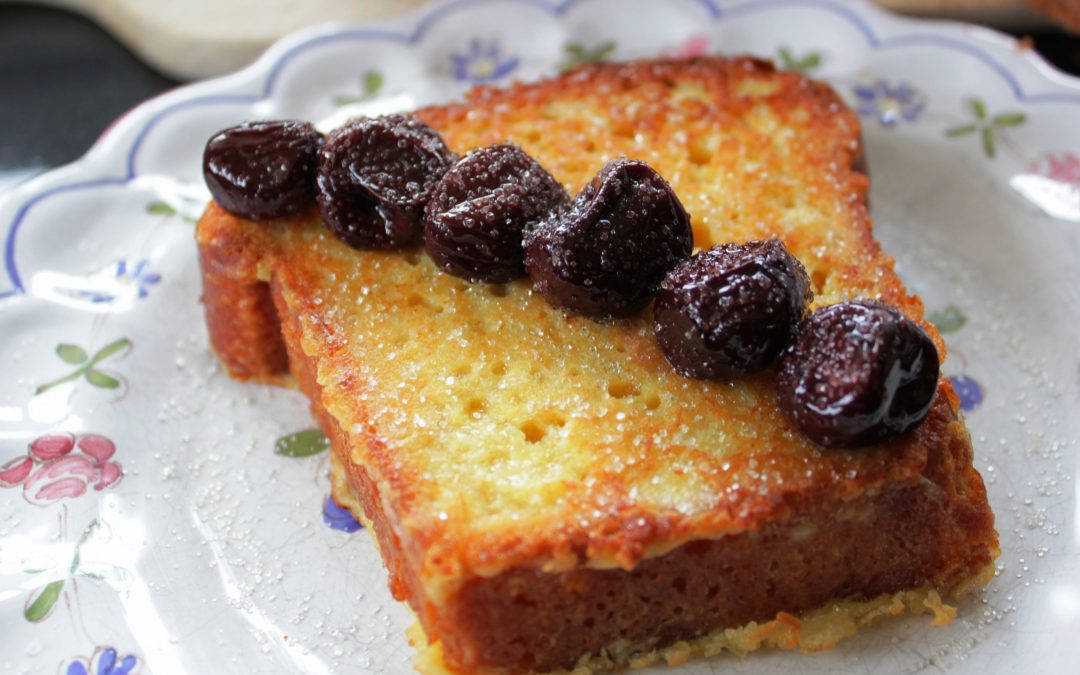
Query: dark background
{"points": [[64, 80]]}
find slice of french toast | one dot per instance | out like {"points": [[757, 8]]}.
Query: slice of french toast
{"points": [[546, 491]]}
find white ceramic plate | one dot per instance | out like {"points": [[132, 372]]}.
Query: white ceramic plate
{"points": [[146, 521]]}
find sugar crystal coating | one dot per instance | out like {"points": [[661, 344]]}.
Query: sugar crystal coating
{"points": [[730, 310], [605, 256], [375, 176], [857, 373], [480, 209]]}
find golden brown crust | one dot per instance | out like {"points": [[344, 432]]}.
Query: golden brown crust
{"points": [[906, 536], [239, 311], [628, 478]]}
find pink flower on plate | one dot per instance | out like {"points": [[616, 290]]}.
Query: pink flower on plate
{"points": [[694, 45], [1063, 167], [15, 471], [63, 466]]}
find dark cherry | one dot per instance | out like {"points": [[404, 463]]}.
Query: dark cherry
{"points": [[480, 209], [376, 175], [262, 170], [605, 255], [857, 373], [730, 310]]}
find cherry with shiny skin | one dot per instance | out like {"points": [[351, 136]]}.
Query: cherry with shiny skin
{"points": [[375, 176], [263, 170], [605, 255], [729, 311], [480, 209], [857, 373]]}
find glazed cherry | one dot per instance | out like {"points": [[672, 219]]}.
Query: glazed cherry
{"points": [[375, 176], [480, 209], [857, 373], [730, 310], [605, 255], [262, 170]]}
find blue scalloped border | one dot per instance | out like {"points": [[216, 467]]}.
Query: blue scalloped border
{"points": [[429, 19]]}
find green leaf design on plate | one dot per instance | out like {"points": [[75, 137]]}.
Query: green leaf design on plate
{"points": [[43, 603], [810, 61], [160, 208], [73, 354], [989, 147], [948, 320], [577, 54], [788, 61], [373, 82], [575, 49], [88, 367], [87, 533], [302, 443], [1010, 119], [100, 379], [370, 84], [962, 130], [112, 348], [987, 126], [603, 51], [49, 385]]}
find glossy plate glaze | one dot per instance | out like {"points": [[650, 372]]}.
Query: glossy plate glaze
{"points": [[157, 517]]}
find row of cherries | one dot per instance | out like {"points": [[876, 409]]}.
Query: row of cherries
{"points": [[850, 374]]}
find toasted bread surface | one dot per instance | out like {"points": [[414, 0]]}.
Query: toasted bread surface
{"points": [[492, 438]]}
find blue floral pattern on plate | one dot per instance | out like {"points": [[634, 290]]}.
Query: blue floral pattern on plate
{"points": [[136, 276], [482, 62], [970, 392], [338, 518], [890, 103], [103, 662]]}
